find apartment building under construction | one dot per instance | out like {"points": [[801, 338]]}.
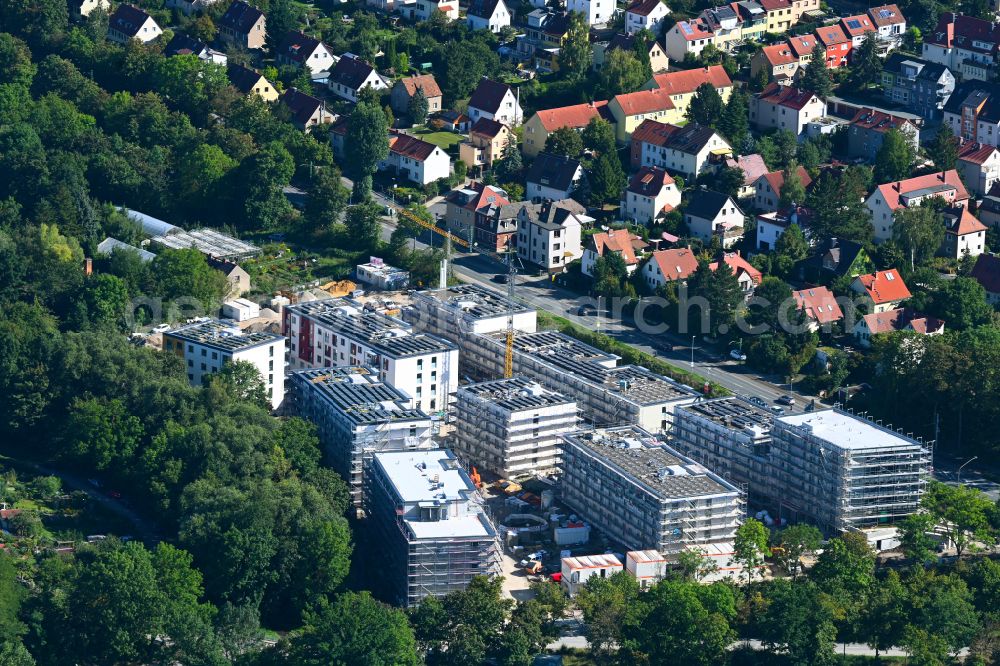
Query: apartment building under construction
{"points": [[512, 427], [357, 414], [645, 495], [829, 467], [429, 523]]}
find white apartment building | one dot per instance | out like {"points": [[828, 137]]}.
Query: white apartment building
{"points": [[512, 427], [548, 234], [357, 414], [338, 332], [207, 346], [597, 12], [645, 15], [650, 194], [785, 108]]}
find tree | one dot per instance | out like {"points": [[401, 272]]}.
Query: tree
{"points": [[915, 539], [607, 179], [15, 61], [866, 65], [816, 78], [241, 380], [367, 140], [417, 108], [795, 541], [728, 180], [884, 614], [509, 166], [706, 106], [790, 248], [364, 225], [204, 29], [846, 571], [606, 603], [186, 274], [894, 160], [466, 62], [962, 303], [800, 620], [565, 142], [354, 629], [693, 565], [465, 626], [837, 202], [734, 123], [793, 191], [943, 150], [282, 18], [750, 547], [599, 136], [327, 198], [778, 149], [107, 302], [941, 606], [722, 291], [611, 276], [919, 230], [963, 512], [622, 73], [576, 54], [37, 21], [102, 433]]}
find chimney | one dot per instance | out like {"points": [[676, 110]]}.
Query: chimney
{"points": [[897, 186], [941, 177], [88, 266]]}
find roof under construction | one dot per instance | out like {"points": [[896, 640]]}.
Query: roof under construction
{"points": [[475, 301], [208, 241], [733, 413], [515, 394], [223, 336], [358, 394]]}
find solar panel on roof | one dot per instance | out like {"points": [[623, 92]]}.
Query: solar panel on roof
{"points": [[686, 28], [885, 13], [854, 24]]}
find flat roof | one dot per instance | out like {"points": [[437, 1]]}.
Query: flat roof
{"points": [[514, 394], [592, 561], [208, 241], [358, 394], [645, 556], [223, 336], [847, 431], [475, 301], [426, 475], [390, 336], [733, 414], [474, 525], [644, 459]]}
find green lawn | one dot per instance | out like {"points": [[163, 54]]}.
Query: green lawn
{"points": [[443, 139]]}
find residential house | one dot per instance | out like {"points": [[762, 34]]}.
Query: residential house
{"points": [[127, 23], [544, 30], [973, 112], [495, 101], [979, 166], [778, 60], [645, 15], [964, 44], [856, 27], [800, 7], [236, 276], [687, 37], [746, 274], [900, 319], [658, 60], [819, 305], [890, 197], [922, 87], [890, 24], [496, 225], [423, 10], [882, 290], [802, 47], [454, 121], [243, 24], [682, 86], [735, 24], [687, 150], [487, 139], [548, 233], [463, 204], [306, 111], [300, 50], [673, 265], [837, 44], [405, 88], [753, 167], [351, 75], [250, 82], [553, 177], [772, 226], [618, 241], [987, 273], [597, 12], [785, 108], [779, 15], [492, 15], [181, 44], [835, 258], [544, 122], [631, 109], [767, 189], [964, 235], [415, 159], [188, 7], [650, 194], [868, 128], [711, 213], [80, 9]]}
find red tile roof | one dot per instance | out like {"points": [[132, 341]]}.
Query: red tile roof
{"points": [[819, 304], [832, 34], [688, 80], [696, 29], [891, 192], [857, 25], [576, 116], [676, 264], [645, 101], [987, 272], [884, 286], [642, 7], [485, 196], [786, 96], [616, 240], [410, 146], [779, 54], [423, 81], [776, 179], [965, 224], [773, 5], [878, 121], [975, 152], [649, 181], [739, 265], [486, 127], [802, 45], [900, 319], [886, 15], [753, 167]]}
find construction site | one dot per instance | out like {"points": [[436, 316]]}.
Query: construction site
{"points": [[356, 414]]}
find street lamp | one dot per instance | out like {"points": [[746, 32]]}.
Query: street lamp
{"points": [[692, 351], [959, 474]]}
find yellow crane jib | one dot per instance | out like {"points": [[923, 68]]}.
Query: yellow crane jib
{"points": [[432, 226]]}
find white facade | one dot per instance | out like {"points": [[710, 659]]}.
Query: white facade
{"points": [[338, 332], [539, 191], [645, 209], [509, 111], [652, 22], [499, 20], [980, 176], [548, 245], [679, 161], [320, 60], [85, 7], [729, 217], [677, 44], [422, 171], [576, 571], [240, 309], [648, 567], [597, 12], [374, 81], [146, 33], [207, 346], [422, 10], [764, 115], [512, 427]]}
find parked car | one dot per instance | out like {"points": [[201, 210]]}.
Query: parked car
{"points": [[500, 278], [161, 328], [779, 411], [586, 311], [757, 400], [738, 355], [786, 400]]}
